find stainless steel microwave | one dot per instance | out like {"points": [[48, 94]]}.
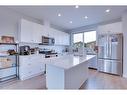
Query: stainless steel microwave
{"points": [[48, 40]]}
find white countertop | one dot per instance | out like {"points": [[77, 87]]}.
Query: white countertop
{"points": [[67, 61]]}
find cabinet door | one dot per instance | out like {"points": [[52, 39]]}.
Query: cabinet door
{"points": [[61, 38], [51, 33], [46, 31], [26, 32], [37, 35], [25, 67], [24, 72], [30, 66], [66, 39], [37, 66], [57, 36]]}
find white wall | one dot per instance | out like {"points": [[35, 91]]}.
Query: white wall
{"points": [[124, 27]]}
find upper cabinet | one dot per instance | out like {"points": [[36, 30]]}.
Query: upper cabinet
{"points": [[26, 31], [61, 38], [112, 28], [37, 33], [31, 32]]}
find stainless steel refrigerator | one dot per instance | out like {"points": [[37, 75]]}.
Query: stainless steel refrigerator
{"points": [[110, 53]]}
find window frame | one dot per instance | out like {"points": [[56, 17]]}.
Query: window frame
{"points": [[83, 36]]}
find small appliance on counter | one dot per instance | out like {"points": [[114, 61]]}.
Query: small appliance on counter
{"points": [[12, 52], [34, 50], [25, 50]]}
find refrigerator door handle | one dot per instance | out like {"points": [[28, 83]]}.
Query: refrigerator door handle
{"points": [[110, 48], [106, 49]]}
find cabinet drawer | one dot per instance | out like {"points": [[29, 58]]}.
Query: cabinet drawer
{"points": [[24, 60], [25, 72]]}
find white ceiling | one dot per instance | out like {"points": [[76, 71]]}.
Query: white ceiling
{"points": [[96, 14]]}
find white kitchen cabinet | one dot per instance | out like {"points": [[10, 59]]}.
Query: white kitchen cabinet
{"points": [[57, 36], [30, 66], [31, 32], [38, 32], [112, 28], [66, 39], [61, 38], [26, 31], [46, 31]]}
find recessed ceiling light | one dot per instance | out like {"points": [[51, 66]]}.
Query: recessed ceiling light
{"points": [[59, 14], [86, 17], [107, 11], [76, 6], [70, 21]]}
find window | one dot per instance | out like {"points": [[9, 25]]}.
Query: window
{"points": [[86, 39], [78, 39], [89, 36], [90, 41]]}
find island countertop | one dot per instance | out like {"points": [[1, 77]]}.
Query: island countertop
{"points": [[68, 61]]}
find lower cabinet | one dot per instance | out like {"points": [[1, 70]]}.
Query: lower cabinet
{"points": [[30, 66]]}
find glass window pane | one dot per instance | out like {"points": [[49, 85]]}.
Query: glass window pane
{"points": [[78, 39], [90, 41], [89, 36]]}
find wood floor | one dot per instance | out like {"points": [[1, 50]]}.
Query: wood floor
{"points": [[96, 80], [33, 83]]}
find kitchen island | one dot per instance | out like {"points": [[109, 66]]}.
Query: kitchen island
{"points": [[67, 72]]}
